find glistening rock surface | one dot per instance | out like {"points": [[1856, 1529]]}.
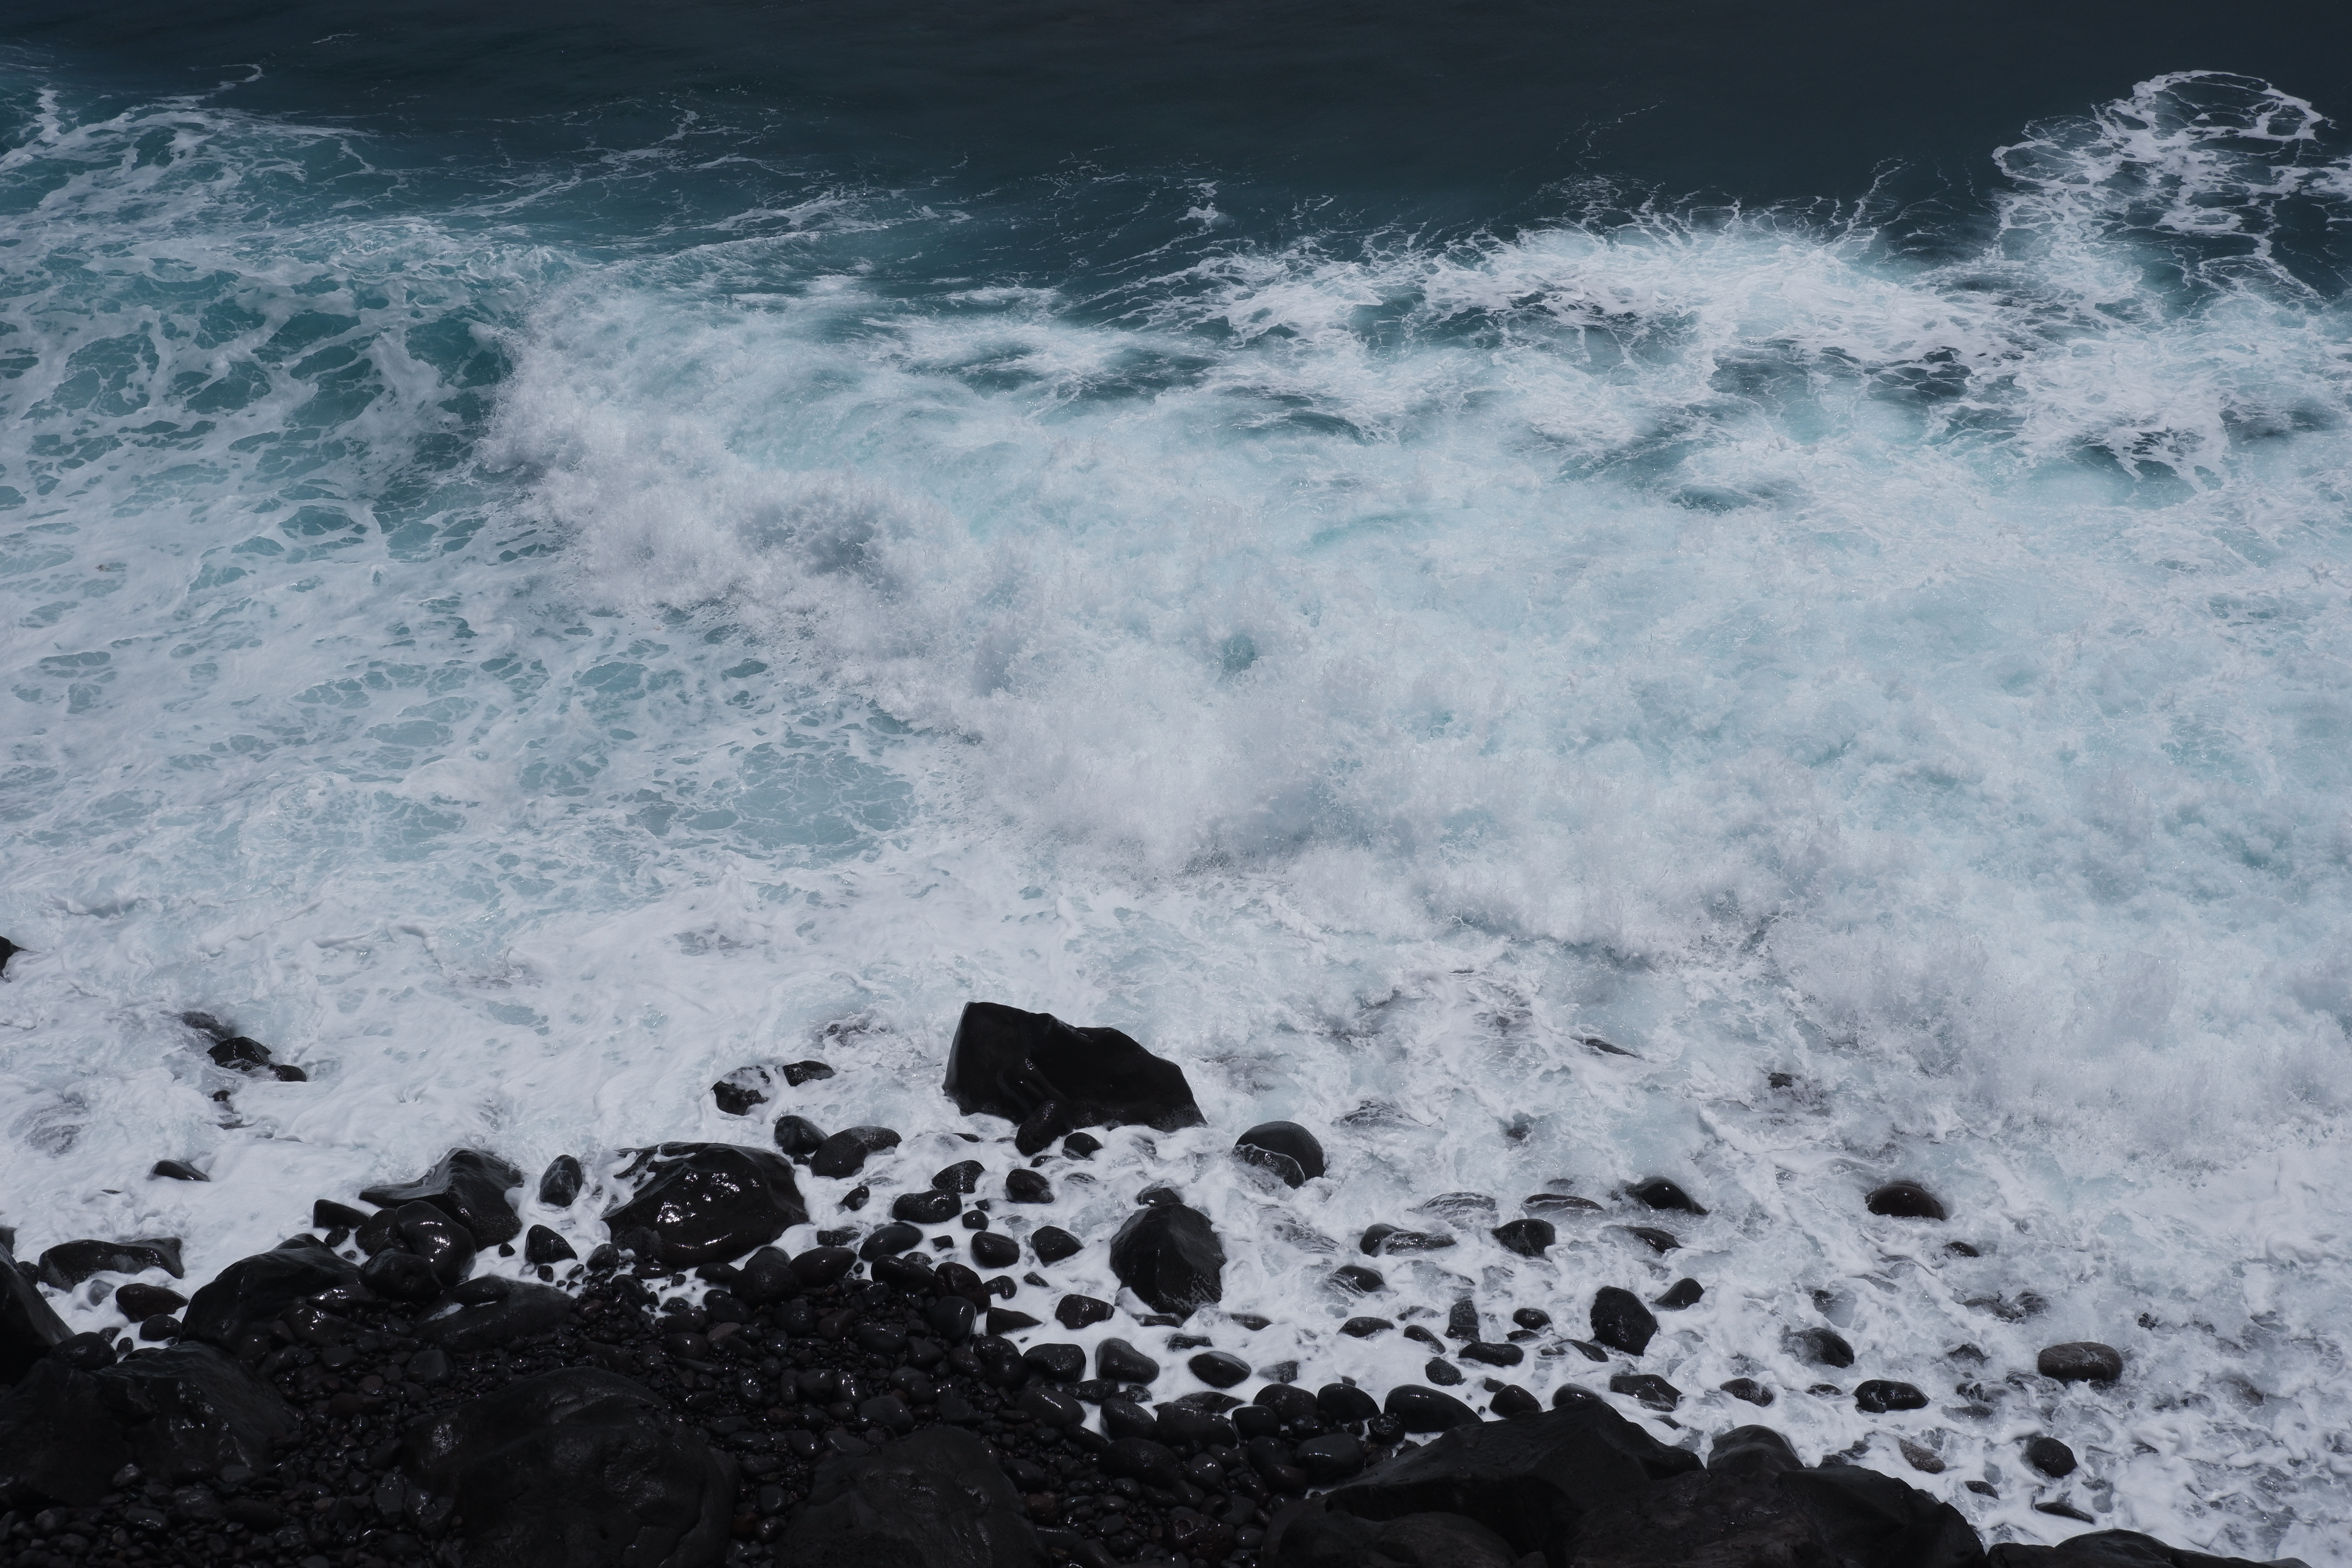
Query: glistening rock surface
{"points": [[706, 1203], [1047, 1076], [1170, 1256]]}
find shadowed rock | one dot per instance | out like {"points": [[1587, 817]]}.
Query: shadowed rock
{"points": [[1169, 1254], [68, 1263], [251, 1291], [468, 1185], [1048, 1078]]}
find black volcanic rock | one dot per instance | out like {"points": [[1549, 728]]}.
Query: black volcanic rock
{"points": [[1023, 1185], [2082, 1361], [468, 1185], [253, 1290], [1658, 1193], [541, 1245], [1426, 1410], [560, 1183], [843, 1153], [58, 1443], [1817, 1347], [1529, 1479], [1034, 1070], [930, 1207], [2119, 1549], [1879, 1395], [29, 1327], [1285, 1148], [1052, 1243], [2051, 1456], [798, 1137], [1905, 1200], [1682, 1293], [1620, 1321], [1120, 1362], [177, 1171], [707, 1203], [937, 1499], [192, 1411], [1169, 1254], [576, 1468], [68, 1263], [963, 1176], [1527, 1237], [740, 1092], [433, 1235], [524, 1309], [140, 1302]]}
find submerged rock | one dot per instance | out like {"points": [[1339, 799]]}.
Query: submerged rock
{"points": [[1169, 1254], [1285, 1148], [1050, 1078], [576, 1468], [470, 1187], [707, 1203], [1817, 1347], [1905, 1200]]}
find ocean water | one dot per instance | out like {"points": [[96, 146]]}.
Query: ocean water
{"points": [[526, 607]]}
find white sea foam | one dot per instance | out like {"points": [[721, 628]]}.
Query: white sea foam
{"points": [[521, 684]]}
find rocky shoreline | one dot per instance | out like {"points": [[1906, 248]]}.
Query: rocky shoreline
{"points": [[425, 1379]]}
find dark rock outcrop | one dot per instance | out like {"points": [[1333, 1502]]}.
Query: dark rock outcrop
{"points": [[843, 1153], [1285, 1148], [1620, 1321], [1048, 1078], [2082, 1361], [937, 1499], [742, 1091], [180, 1414], [707, 1203], [520, 1308], [249, 1293], [1658, 1193], [2051, 1456], [58, 1443], [560, 1183], [1170, 1256], [2119, 1549], [577, 1468], [1905, 1200], [68, 1263], [468, 1185], [1529, 1479], [29, 1327]]}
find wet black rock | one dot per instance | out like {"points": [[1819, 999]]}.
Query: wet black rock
{"points": [[1333, 1456], [1425, 1410], [1649, 1388], [1527, 1237], [191, 1412], [798, 1137], [1049, 1078], [1218, 1369], [29, 1326], [1381, 1240], [58, 1443], [326, 1214], [707, 1203], [1365, 1328], [933, 1208], [2082, 1361], [9, 950], [575, 1468], [524, 1309], [68, 1263], [1531, 1319], [1120, 1362], [1026, 1186], [1817, 1347], [1656, 1240], [1748, 1389], [1529, 1479], [992, 1250], [1879, 1395], [140, 1302], [1681, 1294], [798, 1073], [1169, 1254], [1284, 1148], [541, 1245], [1556, 1205], [1357, 1280], [468, 1185], [398, 1276], [178, 1171], [253, 1290], [560, 1183], [2115, 1549], [1052, 1243], [1492, 1355], [821, 1265], [1905, 1200], [1620, 1321], [1075, 1312], [1081, 1145], [1511, 1400], [845, 1153], [742, 1091], [447, 1246], [1343, 1403], [2051, 1456], [1755, 1451], [1658, 1193], [963, 1176]]}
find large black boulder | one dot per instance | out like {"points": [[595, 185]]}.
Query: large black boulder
{"points": [[843, 1153], [2119, 1549], [28, 1325], [1864, 1517], [468, 1185], [250, 1292], [707, 1203], [1169, 1254], [1620, 1321], [70, 1263], [58, 1443], [1313, 1538], [1529, 1479], [575, 1468], [936, 1499], [191, 1412], [1034, 1069], [1705, 1518], [1285, 1148], [521, 1309]]}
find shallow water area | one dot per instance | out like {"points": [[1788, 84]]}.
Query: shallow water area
{"points": [[521, 667]]}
